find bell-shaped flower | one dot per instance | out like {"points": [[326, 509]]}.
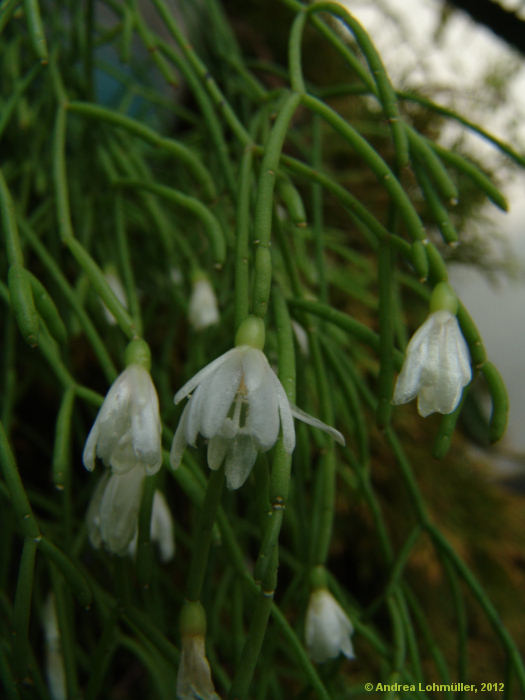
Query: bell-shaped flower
{"points": [[238, 404], [114, 508], [194, 681], [161, 529], [327, 628], [202, 310], [126, 431], [55, 671], [436, 366]]}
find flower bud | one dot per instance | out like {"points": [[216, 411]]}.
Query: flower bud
{"points": [[202, 311], [327, 628]]}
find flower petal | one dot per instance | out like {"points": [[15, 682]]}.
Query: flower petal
{"points": [[111, 421], [285, 413], [262, 420], [202, 374], [255, 367], [93, 511], [194, 415], [316, 423], [162, 527], [194, 680], [119, 508], [89, 453], [179, 443], [220, 390], [239, 461], [409, 380], [327, 627], [145, 421], [217, 449]]}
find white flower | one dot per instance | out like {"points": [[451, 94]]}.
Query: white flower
{"points": [[114, 509], [161, 529], [436, 366], [55, 672], [194, 675], [327, 628], [238, 404], [126, 431], [203, 311]]}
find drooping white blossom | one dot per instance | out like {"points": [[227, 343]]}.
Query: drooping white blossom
{"points": [[238, 404], [161, 529], [327, 628], [55, 672], [126, 431], [194, 680], [202, 310], [436, 366], [114, 508]]}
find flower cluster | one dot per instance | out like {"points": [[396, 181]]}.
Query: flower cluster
{"points": [[238, 404], [126, 437]]}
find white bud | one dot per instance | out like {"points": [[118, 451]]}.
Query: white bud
{"points": [[203, 311], [126, 431], [436, 366], [194, 675], [327, 628]]}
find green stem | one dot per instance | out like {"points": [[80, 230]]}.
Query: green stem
{"points": [[378, 166], [22, 607], [386, 334], [242, 275], [186, 202], [178, 151], [264, 204], [203, 535]]}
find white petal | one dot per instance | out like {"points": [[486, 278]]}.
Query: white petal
{"points": [[179, 440], [123, 457], [194, 680], [88, 455], [119, 509], [194, 417], [145, 420], [217, 449], [114, 417], [255, 367], [220, 389], [110, 422], [316, 423], [162, 527], [447, 367], [202, 309], [327, 627], [202, 374], [409, 379], [93, 511], [262, 421], [436, 367], [285, 412], [239, 461]]}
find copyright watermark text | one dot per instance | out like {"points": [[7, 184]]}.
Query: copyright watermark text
{"points": [[489, 687]]}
